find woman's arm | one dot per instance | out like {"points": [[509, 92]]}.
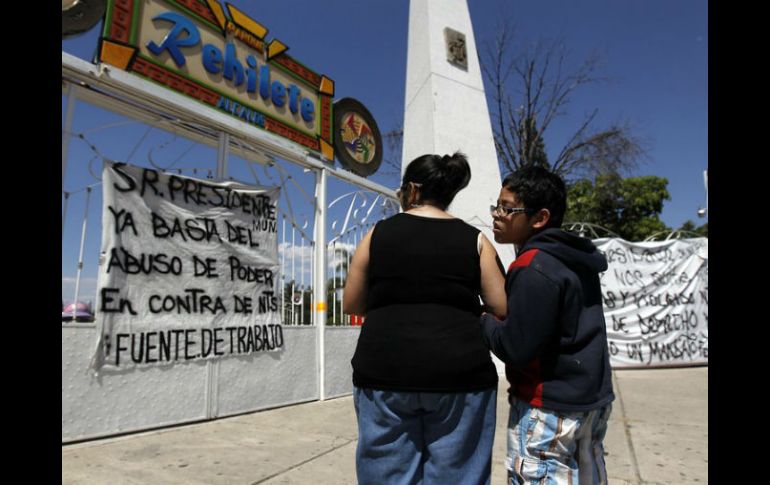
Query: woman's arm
{"points": [[492, 280], [354, 297]]}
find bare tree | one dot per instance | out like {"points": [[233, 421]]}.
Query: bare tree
{"points": [[533, 89]]}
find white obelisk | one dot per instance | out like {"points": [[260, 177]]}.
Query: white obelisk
{"points": [[446, 109]]}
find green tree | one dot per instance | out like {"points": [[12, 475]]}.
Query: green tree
{"points": [[691, 227], [301, 313], [629, 207]]}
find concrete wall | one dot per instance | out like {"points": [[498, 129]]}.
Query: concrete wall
{"points": [[122, 401], [270, 379], [115, 402], [340, 343]]}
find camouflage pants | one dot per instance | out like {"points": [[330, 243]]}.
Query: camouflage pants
{"points": [[554, 447]]}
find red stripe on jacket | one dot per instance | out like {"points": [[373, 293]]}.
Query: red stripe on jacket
{"points": [[528, 382], [524, 259]]}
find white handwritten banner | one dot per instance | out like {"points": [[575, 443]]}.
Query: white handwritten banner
{"points": [[188, 269], [656, 301]]}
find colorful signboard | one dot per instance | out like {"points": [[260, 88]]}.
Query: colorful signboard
{"points": [[221, 57], [357, 140]]}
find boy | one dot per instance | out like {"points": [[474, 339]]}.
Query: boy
{"points": [[554, 340]]}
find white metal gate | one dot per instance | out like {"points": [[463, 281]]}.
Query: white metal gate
{"points": [[319, 339]]}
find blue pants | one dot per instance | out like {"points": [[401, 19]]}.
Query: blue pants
{"points": [[409, 438]]}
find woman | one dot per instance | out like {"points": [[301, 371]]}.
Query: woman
{"points": [[425, 387]]}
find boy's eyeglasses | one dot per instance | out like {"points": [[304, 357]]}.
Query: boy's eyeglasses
{"points": [[506, 211]]}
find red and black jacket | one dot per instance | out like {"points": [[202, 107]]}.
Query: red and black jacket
{"points": [[554, 340]]}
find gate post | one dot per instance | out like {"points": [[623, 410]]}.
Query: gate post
{"points": [[222, 156], [320, 276], [212, 366], [65, 131]]}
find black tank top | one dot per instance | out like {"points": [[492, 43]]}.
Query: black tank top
{"points": [[422, 329]]}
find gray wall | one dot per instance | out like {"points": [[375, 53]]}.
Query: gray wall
{"points": [[114, 402], [340, 342]]}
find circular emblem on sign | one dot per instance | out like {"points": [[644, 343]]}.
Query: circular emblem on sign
{"points": [[357, 141], [357, 138]]}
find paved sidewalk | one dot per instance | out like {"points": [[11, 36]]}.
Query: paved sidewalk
{"points": [[658, 434]]}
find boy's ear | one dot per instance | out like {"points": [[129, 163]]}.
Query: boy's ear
{"points": [[541, 218]]}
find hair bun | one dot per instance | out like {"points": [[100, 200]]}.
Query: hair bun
{"points": [[441, 176], [456, 170]]}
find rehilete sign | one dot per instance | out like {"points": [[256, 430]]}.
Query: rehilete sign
{"points": [[221, 58]]}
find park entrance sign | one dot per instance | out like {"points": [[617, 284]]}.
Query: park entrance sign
{"points": [[221, 58]]}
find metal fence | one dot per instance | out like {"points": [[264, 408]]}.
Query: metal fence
{"points": [[323, 212], [100, 124]]}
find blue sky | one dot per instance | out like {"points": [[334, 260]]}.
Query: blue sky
{"points": [[654, 55]]}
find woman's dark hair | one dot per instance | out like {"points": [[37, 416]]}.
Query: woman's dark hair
{"points": [[440, 178], [538, 188]]}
